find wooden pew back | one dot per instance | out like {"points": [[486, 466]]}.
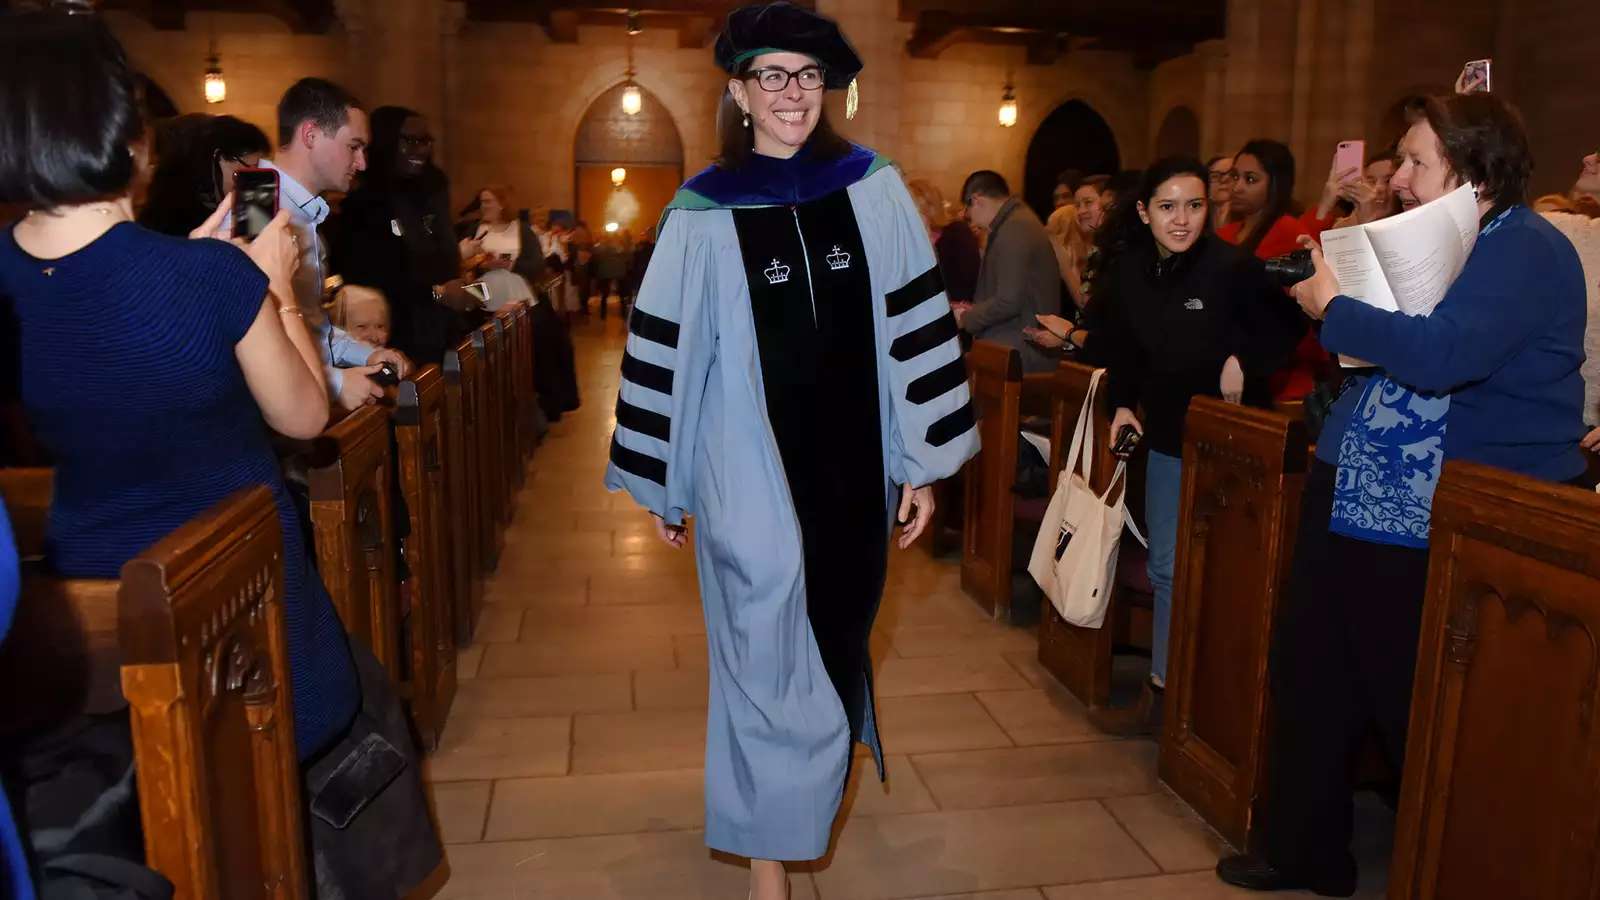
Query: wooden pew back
{"points": [[491, 465], [1501, 794], [1243, 470], [1080, 658], [510, 456], [995, 371], [27, 495], [206, 674], [419, 420], [352, 517], [527, 397], [462, 485]]}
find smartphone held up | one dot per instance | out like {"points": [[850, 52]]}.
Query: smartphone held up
{"points": [[255, 201], [1474, 77]]}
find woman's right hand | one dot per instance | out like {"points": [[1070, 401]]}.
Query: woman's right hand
{"points": [[219, 224], [276, 251], [674, 535], [1124, 416]]}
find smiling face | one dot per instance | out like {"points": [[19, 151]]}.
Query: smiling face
{"points": [[1176, 213], [1424, 176], [782, 119], [1090, 209], [366, 316], [416, 147], [1378, 176], [1251, 186]]}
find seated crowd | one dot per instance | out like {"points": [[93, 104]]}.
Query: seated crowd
{"points": [[205, 359]]}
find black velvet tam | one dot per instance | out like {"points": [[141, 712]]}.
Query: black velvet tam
{"points": [[785, 28]]}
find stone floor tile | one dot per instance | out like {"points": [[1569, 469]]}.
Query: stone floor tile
{"points": [[690, 651], [460, 808], [680, 689], [607, 588], [1194, 886], [1018, 894], [542, 546], [638, 741], [651, 866], [1027, 664], [502, 748], [981, 778], [913, 641], [1169, 831], [904, 791], [580, 805], [928, 854], [653, 618], [574, 652], [498, 624], [553, 695], [937, 722], [467, 662], [899, 677], [1041, 716], [545, 587]]}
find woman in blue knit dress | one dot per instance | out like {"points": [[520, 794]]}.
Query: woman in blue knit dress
{"points": [[153, 367], [1490, 376]]}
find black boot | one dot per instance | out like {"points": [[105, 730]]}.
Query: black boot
{"points": [[1143, 719], [1253, 872]]}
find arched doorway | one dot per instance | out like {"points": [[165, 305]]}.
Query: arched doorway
{"points": [[1073, 136], [648, 149], [1179, 134]]}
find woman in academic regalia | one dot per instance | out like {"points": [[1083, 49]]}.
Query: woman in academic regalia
{"points": [[792, 381]]}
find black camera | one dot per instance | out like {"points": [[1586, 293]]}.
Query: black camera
{"points": [[387, 375], [1127, 440], [1291, 268]]}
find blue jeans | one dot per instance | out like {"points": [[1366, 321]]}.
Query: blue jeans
{"points": [[1163, 480]]}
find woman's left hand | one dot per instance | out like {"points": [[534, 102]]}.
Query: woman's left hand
{"points": [[1232, 384], [1591, 441], [1315, 293], [922, 500]]}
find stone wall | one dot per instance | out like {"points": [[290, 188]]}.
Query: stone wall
{"points": [[506, 100]]}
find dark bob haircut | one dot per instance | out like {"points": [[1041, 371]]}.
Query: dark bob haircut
{"points": [[69, 111], [737, 142], [1278, 162], [1482, 137]]}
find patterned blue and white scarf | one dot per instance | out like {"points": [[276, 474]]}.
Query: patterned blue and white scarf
{"points": [[1389, 464]]}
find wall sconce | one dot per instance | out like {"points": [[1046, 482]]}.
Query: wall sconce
{"points": [[216, 86], [1008, 107], [618, 176], [632, 97]]}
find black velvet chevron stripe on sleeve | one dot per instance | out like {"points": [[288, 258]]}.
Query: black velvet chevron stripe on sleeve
{"points": [[918, 341], [642, 465], [937, 383], [653, 328], [644, 421], [952, 426], [656, 378], [923, 287]]}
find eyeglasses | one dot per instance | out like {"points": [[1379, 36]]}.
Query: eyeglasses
{"points": [[774, 79], [1224, 177]]}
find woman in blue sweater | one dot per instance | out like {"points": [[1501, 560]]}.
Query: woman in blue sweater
{"points": [[1490, 376]]}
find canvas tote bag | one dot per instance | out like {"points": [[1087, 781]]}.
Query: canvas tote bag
{"points": [[1075, 555]]}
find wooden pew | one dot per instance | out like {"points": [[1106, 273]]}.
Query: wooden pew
{"points": [[430, 673], [191, 642], [510, 436], [996, 375], [491, 466], [462, 471], [1501, 794], [1081, 658], [27, 496], [352, 518], [527, 395], [1243, 470], [206, 674]]}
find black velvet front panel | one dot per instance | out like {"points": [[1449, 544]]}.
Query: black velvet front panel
{"points": [[815, 335]]}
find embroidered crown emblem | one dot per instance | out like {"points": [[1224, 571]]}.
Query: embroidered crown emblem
{"points": [[838, 259], [777, 273]]}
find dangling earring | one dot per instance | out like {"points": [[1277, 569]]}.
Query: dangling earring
{"points": [[747, 120]]}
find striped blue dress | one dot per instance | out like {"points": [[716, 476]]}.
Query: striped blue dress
{"points": [[129, 378]]}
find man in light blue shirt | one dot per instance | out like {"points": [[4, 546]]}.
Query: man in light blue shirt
{"points": [[322, 143]]}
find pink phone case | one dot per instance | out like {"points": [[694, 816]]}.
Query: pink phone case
{"points": [[1350, 155]]}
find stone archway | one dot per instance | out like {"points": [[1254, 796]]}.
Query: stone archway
{"points": [[647, 146], [1179, 134], [1073, 136]]}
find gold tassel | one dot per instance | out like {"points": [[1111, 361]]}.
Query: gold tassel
{"points": [[852, 100]]}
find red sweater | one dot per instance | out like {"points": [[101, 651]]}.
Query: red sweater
{"points": [[1300, 376]]}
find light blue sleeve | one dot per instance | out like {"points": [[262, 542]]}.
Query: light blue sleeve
{"points": [[343, 349], [664, 370], [932, 428]]}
